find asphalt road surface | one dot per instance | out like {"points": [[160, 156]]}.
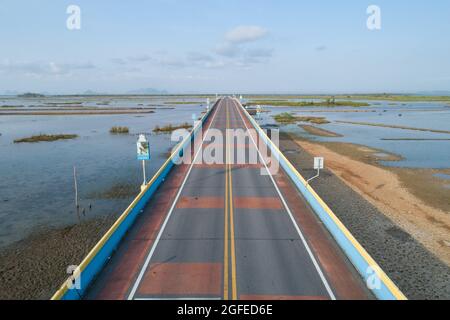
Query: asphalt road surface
{"points": [[228, 230]]}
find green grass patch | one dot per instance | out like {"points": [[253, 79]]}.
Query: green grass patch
{"points": [[325, 103], [375, 96], [46, 138], [119, 130], [169, 128], [287, 118]]}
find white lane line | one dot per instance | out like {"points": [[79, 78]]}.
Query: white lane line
{"points": [[316, 265], [149, 256], [178, 298]]}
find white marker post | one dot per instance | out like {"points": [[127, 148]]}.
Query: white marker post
{"points": [[258, 111], [143, 153], [207, 104], [318, 165]]}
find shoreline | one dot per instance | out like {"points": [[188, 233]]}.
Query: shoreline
{"points": [[413, 267], [75, 113], [380, 125], [35, 267], [398, 193]]}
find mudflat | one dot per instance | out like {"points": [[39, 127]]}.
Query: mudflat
{"points": [[35, 267], [395, 192]]}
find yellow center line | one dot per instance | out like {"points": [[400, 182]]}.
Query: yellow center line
{"points": [[225, 247], [233, 250], [233, 247], [229, 224]]}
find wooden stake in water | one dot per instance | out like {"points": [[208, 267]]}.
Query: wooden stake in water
{"points": [[77, 206]]}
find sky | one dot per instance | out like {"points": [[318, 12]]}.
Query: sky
{"points": [[238, 46]]}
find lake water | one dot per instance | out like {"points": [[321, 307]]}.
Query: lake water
{"points": [[415, 153], [36, 179]]}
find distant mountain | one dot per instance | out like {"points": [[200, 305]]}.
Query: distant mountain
{"points": [[147, 91], [31, 95]]}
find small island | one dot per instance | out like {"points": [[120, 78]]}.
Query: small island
{"points": [[287, 118], [169, 128], [46, 138], [119, 130], [330, 103]]}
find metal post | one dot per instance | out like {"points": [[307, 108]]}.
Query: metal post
{"points": [[77, 206], [316, 176], [143, 170], [143, 153], [76, 186], [318, 164]]}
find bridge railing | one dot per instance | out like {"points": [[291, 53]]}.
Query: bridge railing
{"points": [[75, 286], [381, 286]]}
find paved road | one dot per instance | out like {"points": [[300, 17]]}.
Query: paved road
{"points": [[226, 231]]}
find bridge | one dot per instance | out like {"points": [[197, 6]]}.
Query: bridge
{"points": [[228, 230]]}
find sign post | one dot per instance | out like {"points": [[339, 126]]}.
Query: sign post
{"points": [[143, 153], [318, 165]]}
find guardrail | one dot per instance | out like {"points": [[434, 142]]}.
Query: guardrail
{"points": [[381, 286], [102, 251]]}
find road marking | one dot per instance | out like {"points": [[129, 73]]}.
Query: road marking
{"points": [[225, 244], [233, 246], [316, 265], [187, 298], [149, 257]]}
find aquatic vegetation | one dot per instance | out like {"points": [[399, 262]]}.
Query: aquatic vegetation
{"points": [[379, 97], [287, 118], [119, 130], [315, 120], [169, 128], [330, 102], [46, 138]]}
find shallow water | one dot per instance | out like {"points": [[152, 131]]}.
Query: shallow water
{"points": [[415, 153], [36, 179], [442, 176]]}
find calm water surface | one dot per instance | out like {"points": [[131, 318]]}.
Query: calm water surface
{"points": [[416, 153], [36, 179]]}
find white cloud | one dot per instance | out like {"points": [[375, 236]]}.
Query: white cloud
{"points": [[237, 48], [244, 34], [40, 68], [198, 57]]}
